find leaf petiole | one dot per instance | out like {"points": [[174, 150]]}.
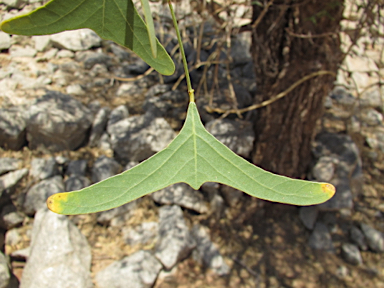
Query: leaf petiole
{"points": [[185, 64]]}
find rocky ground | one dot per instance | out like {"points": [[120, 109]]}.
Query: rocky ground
{"points": [[67, 120]]}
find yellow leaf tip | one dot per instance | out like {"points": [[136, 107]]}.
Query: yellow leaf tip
{"points": [[329, 189], [54, 202]]}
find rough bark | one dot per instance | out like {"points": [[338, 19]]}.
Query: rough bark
{"points": [[286, 127]]}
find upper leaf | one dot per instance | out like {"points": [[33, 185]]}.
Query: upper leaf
{"points": [[193, 157], [115, 20]]}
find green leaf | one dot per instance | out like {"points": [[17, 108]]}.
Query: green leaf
{"points": [[115, 20], [150, 26], [193, 157]]}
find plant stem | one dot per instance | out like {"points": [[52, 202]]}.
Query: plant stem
{"points": [[190, 90]]}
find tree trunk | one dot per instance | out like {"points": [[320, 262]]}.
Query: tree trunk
{"points": [[292, 40]]}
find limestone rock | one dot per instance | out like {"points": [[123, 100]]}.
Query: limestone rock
{"points": [[175, 242], [139, 137], [7, 181], [76, 40], [57, 122], [351, 254], [143, 234], [308, 216], [182, 195], [5, 41], [321, 239], [59, 254], [12, 128], [138, 270], [375, 239], [103, 168], [207, 253], [98, 126], [37, 196], [43, 168], [76, 182], [236, 135], [8, 164]]}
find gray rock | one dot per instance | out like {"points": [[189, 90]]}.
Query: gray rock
{"points": [[51, 53], [105, 142], [9, 180], [61, 78], [348, 166], [59, 254], [217, 206], [372, 98], [41, 42], [243, 97], [10, 217], [376, 140], [375, 239], [183, 195], [371, 117], [358, 238], [76, 167], [240, 48], [117, 114], [22, 253], [99, 69], [75, 89], [248, 72], [76, 40], [137, 138], [321, 239], [12, 128], [14, 3], [138, 270], [158, 90], [13, 237], [27, 51], [144, 234], [76, 182], [42, 168], [5, 41], [93, 58], [8, 164], [65, 54], [117, 216], [70, 67], [129, 88], [210, 188], [138, 67], [5, 275], [351, 254], [36, 197], [231, 195], [324, 169], [157, 107], [57, 122], [308, 216], [175, 242], [98, 126], [104, 168], [236, 135], [207, 253], [342, 97], [121, 53]]}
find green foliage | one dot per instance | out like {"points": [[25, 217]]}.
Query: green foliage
{"points": [[193, 157], [116, 20]]}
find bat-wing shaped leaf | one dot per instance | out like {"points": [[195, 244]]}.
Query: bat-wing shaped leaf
{"points": [[193, 157], [115, 20]]}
